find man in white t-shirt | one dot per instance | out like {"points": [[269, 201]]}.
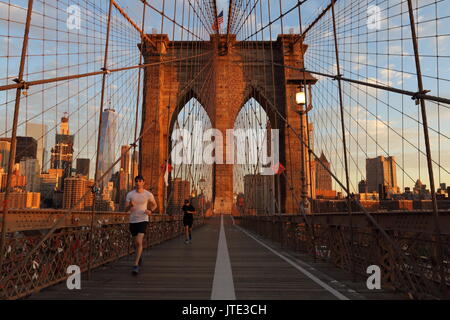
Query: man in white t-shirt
{"points": [[137, 202]]}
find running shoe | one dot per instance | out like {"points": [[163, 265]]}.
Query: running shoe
{"points": [[186, 241], [135, 270]]}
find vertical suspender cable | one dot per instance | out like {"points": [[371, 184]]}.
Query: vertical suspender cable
{"points": [[439, 253], [102, 100], [344, 144], [12, 154]]}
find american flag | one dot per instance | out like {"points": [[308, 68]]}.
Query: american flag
{"points": [[218, 22]]}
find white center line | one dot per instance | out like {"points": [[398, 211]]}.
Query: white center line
{"points": [[223, 285], [331, 290]]}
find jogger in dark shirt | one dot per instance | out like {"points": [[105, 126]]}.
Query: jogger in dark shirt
{"points": [[188, 220]]}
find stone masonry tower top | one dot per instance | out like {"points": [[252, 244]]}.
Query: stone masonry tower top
{"points": [[221, 75]]}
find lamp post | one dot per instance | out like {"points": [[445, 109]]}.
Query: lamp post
{"points": [[202, 184], [300, 101]]}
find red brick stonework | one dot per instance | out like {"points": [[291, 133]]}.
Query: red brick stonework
{"points": [[222, 81]]}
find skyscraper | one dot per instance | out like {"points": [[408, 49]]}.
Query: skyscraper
{"points": [[75, 189], [5, 149], [18, 181], [62, 152], [125, 159], [83, 167], [381, 173], [39, 133], [124, 175], [134, 165], [31, 169], [22, 200], [362, 186], [48, 184], [126, 165], [26, 147], [324, 181], [107, 148]]}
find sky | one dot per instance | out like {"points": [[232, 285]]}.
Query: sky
{"points": [[377, 123]]}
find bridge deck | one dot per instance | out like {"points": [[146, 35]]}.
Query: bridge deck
{"points": [[174, 270]]}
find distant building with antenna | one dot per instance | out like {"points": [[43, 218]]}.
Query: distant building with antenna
{"points": [[62, 152]]}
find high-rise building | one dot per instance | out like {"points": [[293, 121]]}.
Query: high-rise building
{"points": [[26, 147], [5, 149], [22, 200], [124, 181], [39, 133], [420, 191], [18, 181], [323, 177], [59, 173], [75, 189], [123, 189], [126, 165], [107, 148], [362, 186], [125, 159], [48, 185], [89, 200], [323, 180], [30, 168], [134, 165], [83, 167], [381, 171], [62, 152]]}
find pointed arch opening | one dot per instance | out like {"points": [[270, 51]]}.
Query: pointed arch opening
{"points": [[253, 183], [186, 175]]}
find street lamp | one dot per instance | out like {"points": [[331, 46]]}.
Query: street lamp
{"points": [[300, 97], [300, 100]]}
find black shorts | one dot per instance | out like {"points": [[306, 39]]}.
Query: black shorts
{"points": [[188, 220], [140, 227]]}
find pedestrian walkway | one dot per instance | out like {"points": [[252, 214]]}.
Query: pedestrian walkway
{"points": [[222, 262]]}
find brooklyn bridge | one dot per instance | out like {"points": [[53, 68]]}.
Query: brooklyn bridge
{"points": [[311, 137]]}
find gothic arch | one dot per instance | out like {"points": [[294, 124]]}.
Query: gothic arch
{"points": [[181, 103]]}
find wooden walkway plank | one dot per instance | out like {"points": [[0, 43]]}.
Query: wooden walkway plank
{"points": [[261, 275], [171, 270], [176, 271]]}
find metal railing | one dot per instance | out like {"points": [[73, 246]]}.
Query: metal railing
{"points": [[70, 245], [412, 232]]}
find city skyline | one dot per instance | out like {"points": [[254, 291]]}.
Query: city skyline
{"points": [[373, 118], [382, 167]]}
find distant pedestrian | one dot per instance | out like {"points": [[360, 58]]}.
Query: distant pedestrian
{"points": [[188, 220], [137, 202]]}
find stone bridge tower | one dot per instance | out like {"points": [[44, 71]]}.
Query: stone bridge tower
{"points": [[233, 75]]}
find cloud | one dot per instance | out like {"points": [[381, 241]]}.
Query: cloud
{"points": [[391, 76]]}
